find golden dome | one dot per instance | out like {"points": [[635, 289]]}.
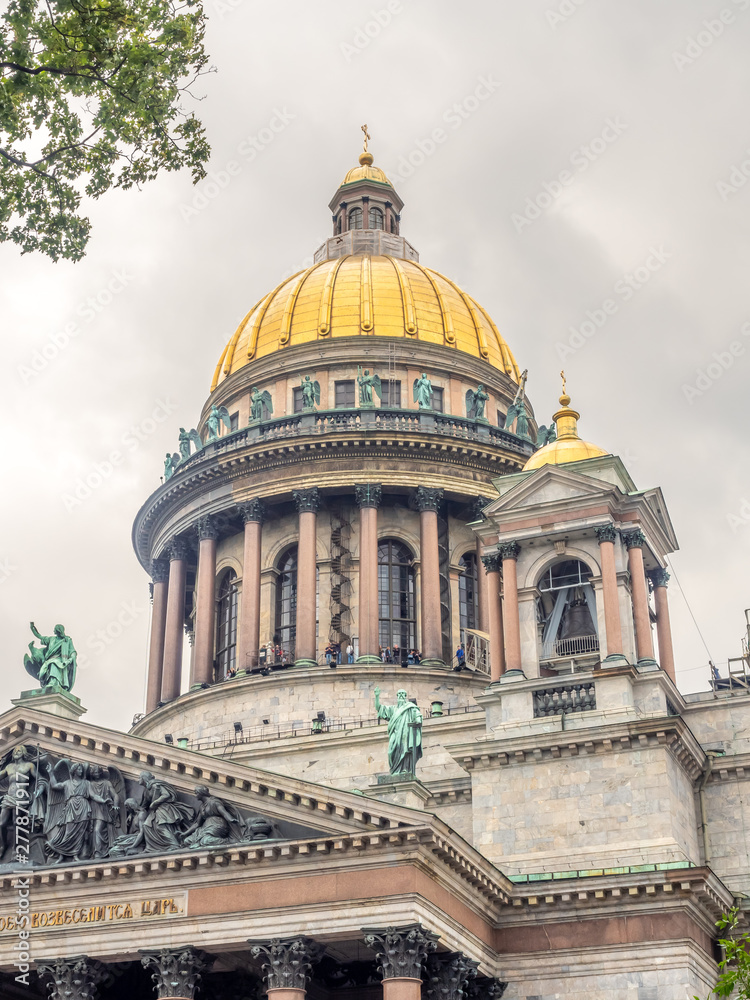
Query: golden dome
{"points": [[362, 295], [568, 447], [366, 172]]}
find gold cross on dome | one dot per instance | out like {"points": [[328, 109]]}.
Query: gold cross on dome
{"points": [[562, 376], [367, 135]]}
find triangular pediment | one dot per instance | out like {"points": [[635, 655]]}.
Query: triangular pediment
{"points": [[176, 799], [550, 485]]}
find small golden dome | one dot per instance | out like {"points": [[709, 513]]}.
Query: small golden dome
{"points": [[362, 295], [568, 447], [366, 172]]}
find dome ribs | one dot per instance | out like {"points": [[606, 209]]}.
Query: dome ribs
{"points": [[475, 319], [326, 299], [291, 302], [258, 318], [448, 332], [407, 298], [366, 296]]}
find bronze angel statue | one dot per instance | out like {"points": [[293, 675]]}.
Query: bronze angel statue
{"points": [[367, 384], [261, 404], [310, 392], [186, 438], [476, 400], [517, 410], [546, 435], [219, 415]]}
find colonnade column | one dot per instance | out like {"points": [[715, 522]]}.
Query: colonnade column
{"points": [[253, 514], [635, 540], [76, 978], [173, 640], [159, 576], [205, 608], [176, 972], [368, 496], [427, 502], [401, 954], [451, 976], [495, 615], [660, 579], [511, 622], [483, 583], [287, 965], [308, 505], [606, 535]]}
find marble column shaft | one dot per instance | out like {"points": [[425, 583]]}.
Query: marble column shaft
{"points": [[205, 610], [659, 578], [160, 577], [368, 497], [172, 674], [249, 633], [511, 621], [428, 501], [606, 535], [308, 503], [495, 615], [643, 640]]}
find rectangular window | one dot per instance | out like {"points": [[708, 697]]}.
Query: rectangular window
{"points": [[297, 400], [437, 400], [344, 393], [391, 393], [500, 418], [234, 420]]}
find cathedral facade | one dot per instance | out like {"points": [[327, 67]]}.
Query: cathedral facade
{"points": [[424, 737]]}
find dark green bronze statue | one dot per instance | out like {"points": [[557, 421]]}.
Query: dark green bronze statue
{"points": [[54, 665], [404, 733]]}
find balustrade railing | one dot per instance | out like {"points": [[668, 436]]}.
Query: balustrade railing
{"points": [[579, 645], [565, 698]]}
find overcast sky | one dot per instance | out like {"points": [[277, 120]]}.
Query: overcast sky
{"points": [[642, 107]]}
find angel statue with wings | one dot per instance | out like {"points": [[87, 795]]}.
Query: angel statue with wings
{"points": [[219, 415], [476, 400], [517, 410], [260, 404], [367, 383], [423, 392], [310, 393], [185, 438], [69, 818], [54, 665]]}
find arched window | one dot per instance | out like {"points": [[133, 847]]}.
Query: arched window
{"points": [[285, 633], [376, 218], [396, 601], [355, 218], [468, 592], [566, 608], [339, 221], [394, 223], [226, 625]]}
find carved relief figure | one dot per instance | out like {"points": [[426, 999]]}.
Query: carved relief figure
{"points": [[106, 816], [68, 821], [166, 817], [19, 770], [216, 822]]}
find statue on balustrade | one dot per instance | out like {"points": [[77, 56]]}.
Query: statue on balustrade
{"points": [[476, 401], [546, 435], [367, 384], [404, 733], [310, 392], [54, 665], [423, 392], [170, 464], [219, 415], [517, 411], [260, 404], [186, 438]]}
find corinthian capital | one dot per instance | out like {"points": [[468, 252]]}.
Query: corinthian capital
{"points": [[448, 979], [427, 499], [159, 570], [509, 550], [287, 962], [401, 951], [605, 533], [368, 494], [178, 549], [176, 972], [252, 510], [72, 978], [485, 988], [659, 577], [634, 539], [307, 500], [491, 563], [207, 528]]}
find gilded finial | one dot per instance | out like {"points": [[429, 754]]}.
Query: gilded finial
{"points": [[367, 136], [366, 157], [565, 398]]}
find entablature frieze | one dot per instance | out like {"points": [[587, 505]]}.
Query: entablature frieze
{"points": [[669, 732]]}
